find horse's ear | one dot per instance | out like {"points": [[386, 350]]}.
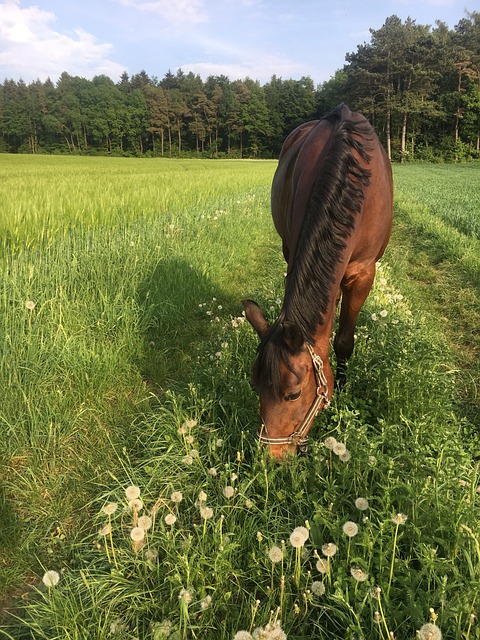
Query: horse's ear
{"points": [[255, 316], [292, 336]]}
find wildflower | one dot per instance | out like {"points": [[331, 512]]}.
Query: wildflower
{"points": [[212, 472], [242, 635], [186, 596], [275, 554], [50, 579], [136, 505], [228, 492], [430, 631], [330, 442], [194, 453], [145, 522], [188, 459], [361, 504], [234, 477], [318, 588], [374, 317], [206, 513], [106, 530], [345, 457], [350, 529], [298, 537], [358, 574], [329, 549], [383, 313], [400, 518], [248, 503], [219, 443], [162, 630], [30, 305], [137, 534], [177, 496], [202, 496], [339, 448], [110, 508], [170, 519], [206, 602], [322, 565], [259, 536], [132, 493]]}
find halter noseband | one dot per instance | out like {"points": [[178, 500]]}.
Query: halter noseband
{"points": [[299, 437]]}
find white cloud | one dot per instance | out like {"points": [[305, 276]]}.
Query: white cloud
{"points": [[175, 12], [262, 69], [30, 48]]}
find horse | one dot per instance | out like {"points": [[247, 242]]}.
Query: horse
{"points": [[332, 205]]}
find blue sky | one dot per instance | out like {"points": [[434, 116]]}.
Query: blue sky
{"points": [[238, 38]]}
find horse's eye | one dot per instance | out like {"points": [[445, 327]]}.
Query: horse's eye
{"points": [[293, 396]]}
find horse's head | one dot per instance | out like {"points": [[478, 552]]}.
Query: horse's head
{"points": [[290, 381]]}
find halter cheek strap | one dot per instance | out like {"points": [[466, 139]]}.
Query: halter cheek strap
{"points": [[300, 436]]}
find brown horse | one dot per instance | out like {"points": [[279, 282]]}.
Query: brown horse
{"points": [[332, 197]]}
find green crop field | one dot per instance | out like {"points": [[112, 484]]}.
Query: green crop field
{"points": [[135, 502]]}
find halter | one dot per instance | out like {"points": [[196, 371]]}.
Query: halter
{"points": [[300, 437]]}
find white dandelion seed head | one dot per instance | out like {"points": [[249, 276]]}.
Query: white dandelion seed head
{"points": [[194, 453], [228, 492], [330, 442], [206, 513], [275, 554], [135, 505], [383, 313], [30, 305], [242, 635], [51, 578], [145, 522], [186, 596], [110, 508], [317, 588], [399, 518], [132, 492], [361, 504], [105, 531], [329, 549], [339, 448], [177, 496], [137, 534], [170, 519], [430, 631], [374, 317], [350, 528], [212, 472], [188, 460], [298, 537], [205, 602], [358, 574], [345, 457], [202, 496], [322, 565]]}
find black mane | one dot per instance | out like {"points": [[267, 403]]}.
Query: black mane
{"points": [[336, 198]]}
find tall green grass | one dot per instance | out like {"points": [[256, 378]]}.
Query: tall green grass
{"points": [[132, 369]]}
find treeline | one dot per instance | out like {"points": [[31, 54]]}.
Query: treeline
{"points": [[420, 87]]}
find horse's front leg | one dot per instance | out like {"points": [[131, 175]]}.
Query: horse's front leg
{"points": [[355, 286]]}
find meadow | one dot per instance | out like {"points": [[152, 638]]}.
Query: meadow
{"points": [[135, 502]]}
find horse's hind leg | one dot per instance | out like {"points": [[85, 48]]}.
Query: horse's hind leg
{"points": [[355, 286]]}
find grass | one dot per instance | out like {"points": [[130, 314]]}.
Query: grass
{"points": [[132, 370]]}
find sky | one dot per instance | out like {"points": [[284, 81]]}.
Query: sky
{"points": [[238, 38]]}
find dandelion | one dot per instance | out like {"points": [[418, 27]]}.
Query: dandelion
{"points": [[186, 596], [329, 549], [206, 513], [275, 554], [361, 504], [298, 537], [374, 317], [152, 555], [202, 497], [212, 472], [30, 305], [339, 449], [345, 457], [144, 522], [259, 536], [106, 530], [170, 519], [137, 534], [242, 635], [358, 574], [350, 529], [430, 631], [383, 313], [136, 505], [205, 603], [110, 508], [322, 565], [51, 579], [399, 518], [317, 588], [132, 493], [176, 497], [188, 460], [228, 492], [219, 443], [330, 442]]}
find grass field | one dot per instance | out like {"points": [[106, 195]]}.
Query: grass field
{"points": [[129, 469]]}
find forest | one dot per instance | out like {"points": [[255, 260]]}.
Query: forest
{"points": [[419, 85]]}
